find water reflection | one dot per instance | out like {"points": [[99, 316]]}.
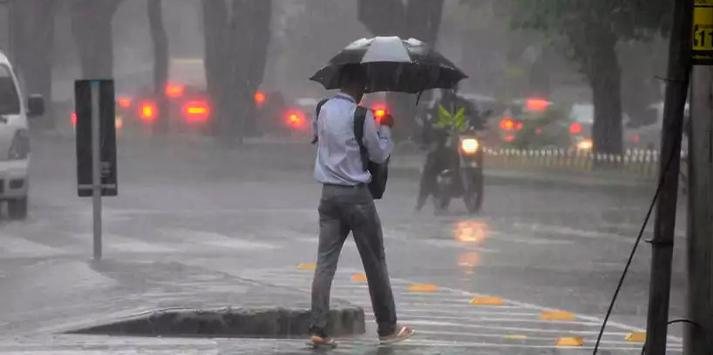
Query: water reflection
{"points": [[471, 234]]}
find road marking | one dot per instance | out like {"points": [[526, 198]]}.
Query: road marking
{"points": [[359, 277], [557, 315], [307, 266], [636, 337], [486, 301], [569, 342], [422, 288]]}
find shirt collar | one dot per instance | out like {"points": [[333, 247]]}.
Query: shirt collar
{"points": [[345, 96]]}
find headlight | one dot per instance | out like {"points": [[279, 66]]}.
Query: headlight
{"points": [[20, 147], [469, 145], [585, 144]]}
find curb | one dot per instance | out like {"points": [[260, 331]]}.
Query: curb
{"points": [[500, 177], [262, 322]]}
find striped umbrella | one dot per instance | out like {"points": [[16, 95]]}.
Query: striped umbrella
{"points": [[393, 64]]}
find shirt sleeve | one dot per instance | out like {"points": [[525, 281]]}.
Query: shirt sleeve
{"points": [[377, 140]]}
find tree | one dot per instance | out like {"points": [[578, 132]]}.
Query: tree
{"points": [[33, 40], [159, 39], [414, 18], [237, 33], [590, 32], [91, 28]]}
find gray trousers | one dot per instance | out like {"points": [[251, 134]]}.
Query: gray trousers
{"points": [[343, 210]]}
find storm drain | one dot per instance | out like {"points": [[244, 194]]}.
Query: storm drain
{"points": [[229, 322]]}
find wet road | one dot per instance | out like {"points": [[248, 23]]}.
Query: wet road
{"points": [[252, 214]]}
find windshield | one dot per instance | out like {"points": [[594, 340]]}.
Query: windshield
{"points": [[9, 100]]}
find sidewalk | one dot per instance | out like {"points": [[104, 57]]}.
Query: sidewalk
{"points": [[56, 298]]}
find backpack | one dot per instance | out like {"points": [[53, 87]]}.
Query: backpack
{"points": [[379, 172]]}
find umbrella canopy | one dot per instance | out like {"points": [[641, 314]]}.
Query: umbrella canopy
{"points": [[393, 64]]}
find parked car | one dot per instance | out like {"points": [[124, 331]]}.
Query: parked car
{"points": [[15, 140]]}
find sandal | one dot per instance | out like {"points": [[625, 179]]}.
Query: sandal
{"points": [[317, 341], [401, 334]]}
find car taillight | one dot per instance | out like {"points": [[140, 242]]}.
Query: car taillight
{"points": [[469, 145], [174, 91], [73, 118], [509, 124], [537, 105], [379, 112], [575, 128], [123, 102], [118, 122], [20, 147], [259, 98], [196, 111], [296, 120], [148, 111]]}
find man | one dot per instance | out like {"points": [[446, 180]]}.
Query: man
{"points": [[439, 157], [347, 205]]}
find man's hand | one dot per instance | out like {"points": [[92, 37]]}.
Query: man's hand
{"points": [[386, 120]]}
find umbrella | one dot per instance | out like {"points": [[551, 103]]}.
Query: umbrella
{"points": [[393, 64]]}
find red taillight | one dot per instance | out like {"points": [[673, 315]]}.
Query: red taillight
{"points": [[259, 98], [196, 111], [508, 124], [174, 90], [296, 120], [635, 138], [123, 102], [575, 128], [73, 118], [148, 111], [380, 111], [537, 105]]}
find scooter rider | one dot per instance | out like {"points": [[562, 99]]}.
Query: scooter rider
{"points": [[435, 133]]}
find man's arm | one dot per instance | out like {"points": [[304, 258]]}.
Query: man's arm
{"points": [[377, 139]]}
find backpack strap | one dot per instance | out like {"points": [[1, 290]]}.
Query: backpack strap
{"points": [[316, 115], [359, 118]]}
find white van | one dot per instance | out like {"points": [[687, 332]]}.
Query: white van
{"points": [[14, 140]]}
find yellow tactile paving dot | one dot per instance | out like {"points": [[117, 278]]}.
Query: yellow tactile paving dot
{"points": [[636, 337], [359, 277], [307, 266], [570, 341], [422, 288], [557, 315], [486, 301]]}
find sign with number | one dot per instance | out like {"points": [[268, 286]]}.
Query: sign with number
{"points": [[702, 49]]}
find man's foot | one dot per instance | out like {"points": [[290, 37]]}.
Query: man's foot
{"points": [[401, 334], [317, 341]]}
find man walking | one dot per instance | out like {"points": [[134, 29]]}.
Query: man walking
{"points": [[347, 205]]}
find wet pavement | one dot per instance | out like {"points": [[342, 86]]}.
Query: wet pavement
{"points": [[468, 284]]}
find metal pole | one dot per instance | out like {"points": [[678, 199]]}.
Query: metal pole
{"points": [[700, 215], [662, 244], [96, 171]]}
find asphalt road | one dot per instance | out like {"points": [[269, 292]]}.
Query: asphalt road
{"points": [[251, 213]]}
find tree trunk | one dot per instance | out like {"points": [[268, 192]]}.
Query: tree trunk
{"points": [[33, 38], [215, 19], [236, 41], [416, 18], [91, 27], [160, 51], [604, 75]]}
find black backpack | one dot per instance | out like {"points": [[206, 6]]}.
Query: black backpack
{"points": [[379, 172]]}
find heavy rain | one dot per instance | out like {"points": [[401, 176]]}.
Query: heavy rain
{"points": [[206, 177]]}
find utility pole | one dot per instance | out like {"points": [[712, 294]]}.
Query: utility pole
{"points": [[679, 67], [698, 341]]}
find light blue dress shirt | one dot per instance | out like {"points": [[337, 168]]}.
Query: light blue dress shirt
{"points": [[338, 159]]}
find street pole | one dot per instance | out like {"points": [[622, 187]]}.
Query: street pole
{"points": [[700, 215], [96, 171], [677, 82]]}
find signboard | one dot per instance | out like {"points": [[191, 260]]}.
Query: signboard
{"points": [[702, 50], [99, 95]]}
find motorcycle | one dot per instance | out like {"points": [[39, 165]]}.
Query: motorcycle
{"points": [[462, 176]]}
